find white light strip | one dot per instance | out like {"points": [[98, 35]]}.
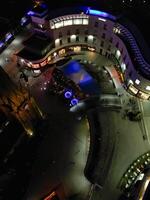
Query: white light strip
{"points": [[101, 19]]}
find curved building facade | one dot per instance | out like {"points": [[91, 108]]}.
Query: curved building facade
{"points": [[86, 29]]}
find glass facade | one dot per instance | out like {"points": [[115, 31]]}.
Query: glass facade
{"points": [[69, 20]]}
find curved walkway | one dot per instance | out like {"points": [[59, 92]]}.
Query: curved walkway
{"points": [[134, 50]]}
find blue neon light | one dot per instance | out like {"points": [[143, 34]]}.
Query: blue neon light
{"points": [[97, 12], [68, 94], [74, 102], [100, 13], [30, 13]]}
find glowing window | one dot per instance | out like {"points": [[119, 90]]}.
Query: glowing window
{"points": [[59, 24], [68, 22], [133, 89], [57, 41], [73, 38], [77, 21], [143, 95], [85, 21], [137, 81], [90, 37], [35, 66], [52, 25], [130, 82], [43, 63], [123, 66], [148, 88], [49, 58], [118, 53]]}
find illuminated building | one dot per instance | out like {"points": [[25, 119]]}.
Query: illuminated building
{"points": [[83, 28], [68, 31]]}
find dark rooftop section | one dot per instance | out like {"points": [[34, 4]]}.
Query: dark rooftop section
{"points": [[37, 42], [26, 54], [36, 47]]}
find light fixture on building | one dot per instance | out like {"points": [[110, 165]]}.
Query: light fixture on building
{"points": [[90, 37], [137, 81], [73, 37], [130, 81], [148, 87], [118, 53], [123, 66], [54, 54], [22, 60], [57, 41], [101, 19]]}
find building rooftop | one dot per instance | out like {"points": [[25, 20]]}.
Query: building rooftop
{"points": [[36, 47]]}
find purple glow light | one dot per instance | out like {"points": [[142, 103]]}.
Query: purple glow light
{"points": [[1, 44], [74, 101], [8, 36], [30, 13], [68, 94]]}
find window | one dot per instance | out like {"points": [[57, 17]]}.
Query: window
{"points": [[111, 39], [59, 24], [103, 35], [102, 43], [68, 22], [77, 39], [117, 45], [68, 32], [85, 39], [137, 81], [77, 21], [94, 40], [60, 34], [122, 51], [68, 39], [77, 31], [124, 58], [109, 47], [118, 54], [96, 24], [105, 26], [85, 21], [86, 32]]}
